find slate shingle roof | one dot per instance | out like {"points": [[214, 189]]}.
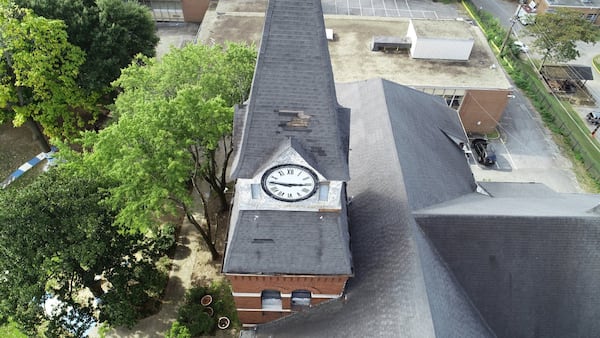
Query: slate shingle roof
{"points": [[433, 168], [522, 261], [293, 242], [393, 292], [529, 276], [293, 76]]}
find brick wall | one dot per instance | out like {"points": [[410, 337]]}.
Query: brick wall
{"points": [[194, 10], [481, 110], [322, 288]]}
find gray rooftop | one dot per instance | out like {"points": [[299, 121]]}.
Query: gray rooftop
{"points": [[277, 242], [293, 94], [529, 276], [418, 124], [517, 199], [517, 260], [580, 4], [401, 287]]}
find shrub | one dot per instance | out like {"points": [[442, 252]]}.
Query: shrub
{"points": [[193, 316], [178, 330]]}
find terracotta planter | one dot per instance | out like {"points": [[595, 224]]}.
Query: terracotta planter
{"points": [[223, 323], [206, 300], [209, 310]]}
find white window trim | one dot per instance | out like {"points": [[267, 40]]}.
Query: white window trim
{"points": [[285, 295]]}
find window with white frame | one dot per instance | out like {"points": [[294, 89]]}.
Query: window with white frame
{"points": [[301, 298], [271, 300]]}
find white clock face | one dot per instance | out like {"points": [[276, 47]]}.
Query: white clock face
{"points": [[289, 182]]}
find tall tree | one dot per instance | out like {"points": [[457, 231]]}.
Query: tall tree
{"points": [[110, 32], [38, 71], [57, 239], [557, 34], [173, 129]]}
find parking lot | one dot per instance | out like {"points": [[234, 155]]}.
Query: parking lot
{"points": [[526, 152], [390, 8]]}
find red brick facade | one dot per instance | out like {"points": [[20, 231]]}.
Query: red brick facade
{"points": [[590, 11], [194, 10], [247, 291], [481, 110]]}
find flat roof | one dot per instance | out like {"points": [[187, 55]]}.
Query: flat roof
{"points": [[574, 3], [448, 29], [568, 72], [352, 58]]}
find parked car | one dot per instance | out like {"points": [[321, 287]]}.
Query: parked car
{"points": [[593, 117], [521, 46], [484, 152]]}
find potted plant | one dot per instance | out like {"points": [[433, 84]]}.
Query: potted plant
{"points": [[223, 323]]}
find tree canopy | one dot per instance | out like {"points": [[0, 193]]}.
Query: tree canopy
{"points": [[558, 32], [110, 32], [173, 122], [57, 240], [38, 72]]}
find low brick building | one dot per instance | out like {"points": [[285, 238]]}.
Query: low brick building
{"points": [[177, 10], [590, 9]]}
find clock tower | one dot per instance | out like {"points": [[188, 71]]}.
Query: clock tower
{"points": [[288, 246]]}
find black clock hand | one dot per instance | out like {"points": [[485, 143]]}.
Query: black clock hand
{"points": [[290, 184]]}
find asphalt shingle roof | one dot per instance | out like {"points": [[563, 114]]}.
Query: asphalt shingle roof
{"points": [[433, 168], [529, 276], [293, 242], [437, 259], [293, 94], [393, 293]]}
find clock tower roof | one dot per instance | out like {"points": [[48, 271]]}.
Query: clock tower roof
{"points": [[293, 95]]}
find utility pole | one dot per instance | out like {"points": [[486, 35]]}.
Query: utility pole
{"points": [[513, 21]]}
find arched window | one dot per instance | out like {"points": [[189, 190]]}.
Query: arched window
{"points": [[271, 300], [301, 298]]}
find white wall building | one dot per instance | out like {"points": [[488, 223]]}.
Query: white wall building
{"points": [[447, 41]]}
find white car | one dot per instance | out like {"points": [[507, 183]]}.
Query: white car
{"points": [[521, 46]]}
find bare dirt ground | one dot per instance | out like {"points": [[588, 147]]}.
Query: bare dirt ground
{"points": [[16, 147]]}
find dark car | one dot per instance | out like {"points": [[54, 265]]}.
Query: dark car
{"points": [[484, 152], [593, 117]]}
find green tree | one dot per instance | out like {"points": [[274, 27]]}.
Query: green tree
{"points": [[110, 32], [557, 34], [38, 71], [58, 240], [173, 129]]}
